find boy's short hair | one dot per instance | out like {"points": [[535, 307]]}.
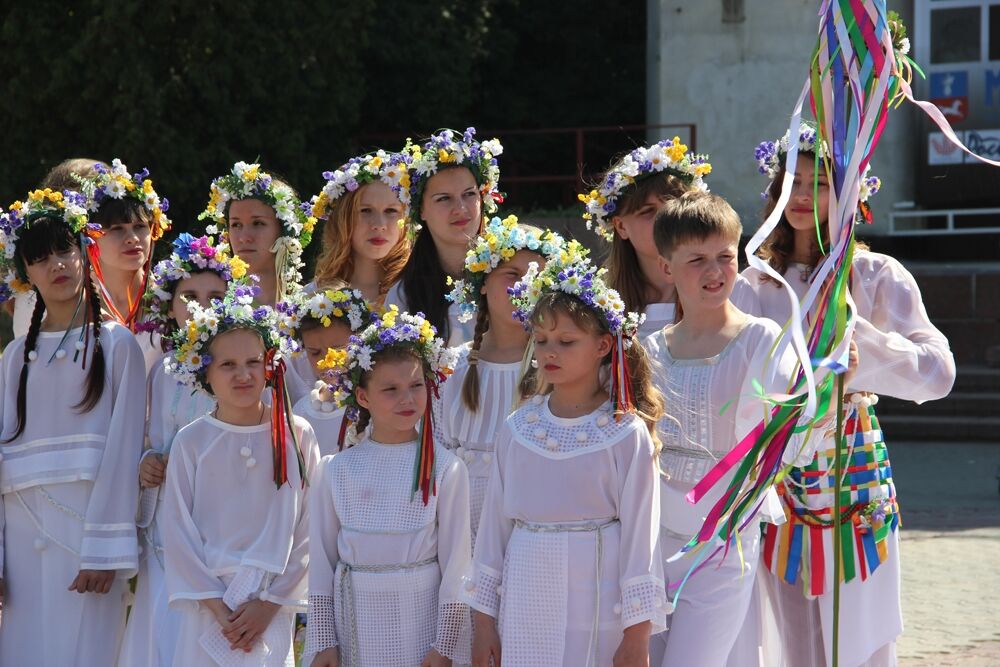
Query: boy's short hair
{"points": [[694, 216]]}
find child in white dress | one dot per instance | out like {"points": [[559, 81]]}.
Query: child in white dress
{"points": [[486, 385], [709, 366], [901, 354], [567, 570], [235, 529], [389, 530], [72, 404], [322, 321], [195, 271], [621, 208], [262, 219]]}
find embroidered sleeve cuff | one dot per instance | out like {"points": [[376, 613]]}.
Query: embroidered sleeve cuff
{"points": [[644, 599], [454, 632], [109, 546], [321, 631], [482, 590]]}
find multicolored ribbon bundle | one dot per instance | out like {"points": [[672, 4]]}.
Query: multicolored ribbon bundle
{"points": [[855, 77], [281, 421]]}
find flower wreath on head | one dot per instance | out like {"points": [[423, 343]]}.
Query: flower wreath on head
{"points": [[571, 272], [71, 208], [189, 359], [189, 255], [444, 150], [394, 329], [770, 156], [500, 240], [669, 155], [68, 206], [248, 181], [117, 183], [393, 169]]}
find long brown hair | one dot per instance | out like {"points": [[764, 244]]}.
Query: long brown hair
{"points": [[778, 247], [336, 258], [648, 399], [624, 273]]}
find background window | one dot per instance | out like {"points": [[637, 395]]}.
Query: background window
{"points": [[955, 35]]}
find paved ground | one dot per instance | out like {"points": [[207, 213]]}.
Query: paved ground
{"points": [[951, 553]]}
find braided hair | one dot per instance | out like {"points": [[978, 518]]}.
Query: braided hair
{"points": [[42, 238]]}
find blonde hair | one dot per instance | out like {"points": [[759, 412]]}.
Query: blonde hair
{"points": [[336, 258], [624, 273], [649, 403]]}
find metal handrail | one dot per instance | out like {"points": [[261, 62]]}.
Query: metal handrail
{"points": [[949, 216]]}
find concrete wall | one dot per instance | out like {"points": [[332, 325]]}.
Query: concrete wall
{"points": [[739, 81]]}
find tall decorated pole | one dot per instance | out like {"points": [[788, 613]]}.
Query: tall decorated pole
{"points": [[859, 70]]}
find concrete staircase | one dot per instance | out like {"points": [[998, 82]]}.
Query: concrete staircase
{"points": [[970, 413]]}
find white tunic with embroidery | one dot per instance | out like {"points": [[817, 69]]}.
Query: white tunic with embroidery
{"points": [[566, 554], [711, 405], [152, 630], [461, 332], [385, 569], [472, 435], [901, 354], [229, 533], [69, 494]]}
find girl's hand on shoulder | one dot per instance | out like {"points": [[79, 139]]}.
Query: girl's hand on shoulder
{"points": [[435, 659], [93, 581], [485, 641], [853, 358], [634, 649], [328, 658], [250, 620], [152, 471]]}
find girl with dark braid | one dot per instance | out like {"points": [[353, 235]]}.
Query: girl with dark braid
{"points": [[72, 406]]}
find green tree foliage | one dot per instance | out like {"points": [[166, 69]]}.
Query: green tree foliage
{"points": [[188, 87]]}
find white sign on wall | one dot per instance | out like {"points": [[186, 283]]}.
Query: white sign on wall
{"points": [[982, 142]]}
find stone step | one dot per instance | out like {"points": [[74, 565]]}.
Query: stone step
{"points": [[957, 404], [977, 379], [939, 428]]}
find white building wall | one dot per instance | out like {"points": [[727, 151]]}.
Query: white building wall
{"points": [[738, 82]]}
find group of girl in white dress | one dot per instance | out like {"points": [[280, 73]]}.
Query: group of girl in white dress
{"points": [[462, 442]]}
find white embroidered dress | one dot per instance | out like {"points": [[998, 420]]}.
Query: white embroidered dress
{"points": [[711, 404], [229, 533], [901, 354], [69, 494], [472, 435], [566, 554], [325, 418], [152, 630], [385, 569]]}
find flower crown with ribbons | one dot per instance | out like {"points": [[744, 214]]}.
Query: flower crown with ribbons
{"points": [[572, 273], [770, 156], [446, 149], [249, 181], [115, 182], [500, 240], [189, 360], [190, 255], [670, 156], [394, 329], [393, 169], [68, 206]]}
